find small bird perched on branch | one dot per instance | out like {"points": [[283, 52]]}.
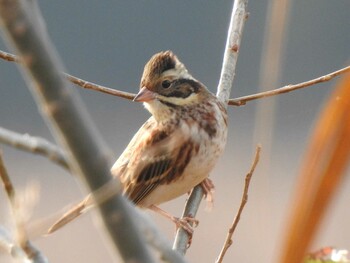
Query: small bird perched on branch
{"points": [[177, 147]]}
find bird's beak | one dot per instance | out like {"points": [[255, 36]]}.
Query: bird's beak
{"points": [[144, 95]]}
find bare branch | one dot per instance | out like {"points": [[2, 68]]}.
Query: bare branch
{"points": [[238, 18], [34, 144], [182, 238], [77, 81], [240, 101], [5, 179], [288, 88], [228, 241], [68, 118], [89, 85], [9, 57]]}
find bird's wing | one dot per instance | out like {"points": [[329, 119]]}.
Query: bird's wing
{"points": [[154, 156]]}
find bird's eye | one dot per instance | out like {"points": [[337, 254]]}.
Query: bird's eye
{"points": [[166, 84]]}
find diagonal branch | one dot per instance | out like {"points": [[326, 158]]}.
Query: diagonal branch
{"points": [[228, 241], [67, 117]]}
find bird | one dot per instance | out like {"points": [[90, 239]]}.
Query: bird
{"points": [[177, 147]]}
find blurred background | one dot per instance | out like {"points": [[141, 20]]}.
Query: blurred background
{"points": [[108, 42]]}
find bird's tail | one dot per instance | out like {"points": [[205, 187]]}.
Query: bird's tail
{"points": [[72, 214], [99, 196]]}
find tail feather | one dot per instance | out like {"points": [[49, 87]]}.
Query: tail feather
{"points": [[72, 214]]}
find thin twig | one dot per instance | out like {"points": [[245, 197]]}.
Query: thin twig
{"points": [[229, 241], [9, 57], [24, 246], [35, 145], [77, 81], [288, 88], [240, 101], [68, 118], [8, 186], [89, 85]]}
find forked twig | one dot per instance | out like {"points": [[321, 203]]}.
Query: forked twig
{"points": [[228, 241]]}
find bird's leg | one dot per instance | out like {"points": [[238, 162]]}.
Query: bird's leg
{"points": [[185, 222], [208, 188]]}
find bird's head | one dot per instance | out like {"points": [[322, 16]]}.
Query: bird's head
{"points": [[166, 84]]}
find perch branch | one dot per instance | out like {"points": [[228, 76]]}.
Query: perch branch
{"points": [[68, 118], [235, 31], [182, 238], [238, 17], [229, 241]]}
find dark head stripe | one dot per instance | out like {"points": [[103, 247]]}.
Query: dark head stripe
{"points": [[185, 88]]}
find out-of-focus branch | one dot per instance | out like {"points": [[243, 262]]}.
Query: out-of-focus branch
{"points": [[8, 245], [38, 145], [244, 200], [240, 101], [21, 248], [238, 17], [68, 118], [35, 145]]}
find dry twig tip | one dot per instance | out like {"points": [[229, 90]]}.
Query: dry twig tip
{"points": [[244, 200]]}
